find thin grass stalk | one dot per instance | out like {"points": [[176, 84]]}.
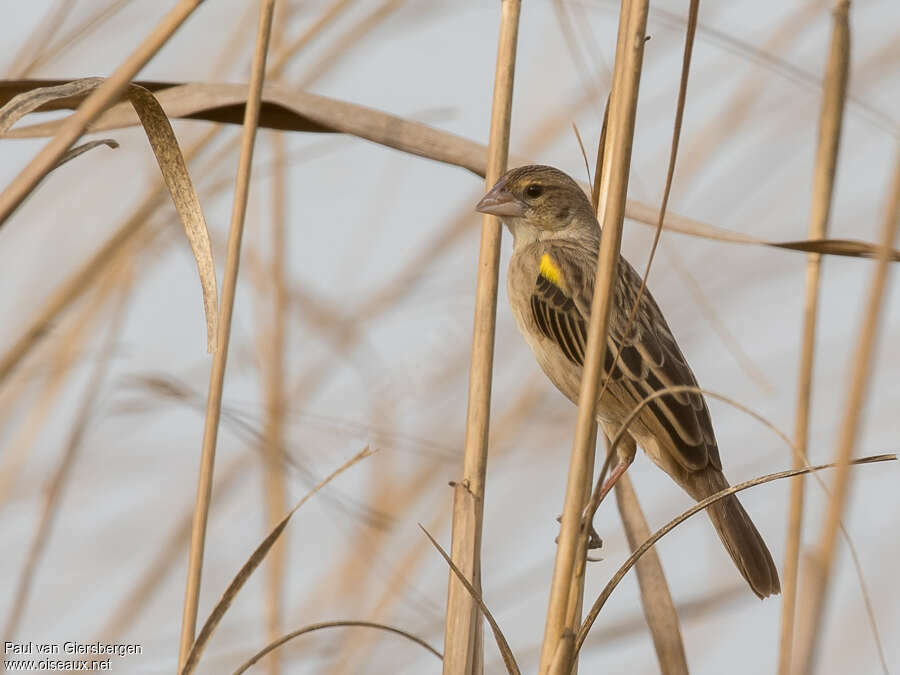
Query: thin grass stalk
{"points": [[613, 188], [699, 506], [830, 122], [79, 32], [332, 624], [100, 99], [217, 372], [462, 636], [820, 562], [42, 34]]}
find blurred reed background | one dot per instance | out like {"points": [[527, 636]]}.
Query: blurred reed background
{"points": [[352, 326]]}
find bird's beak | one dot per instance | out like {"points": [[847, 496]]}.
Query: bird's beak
{"points": [[500, 202]]}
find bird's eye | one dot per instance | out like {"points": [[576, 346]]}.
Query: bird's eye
{"points": [[534, 191]]}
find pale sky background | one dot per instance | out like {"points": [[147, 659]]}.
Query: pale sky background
{"points": [[358, 213]]}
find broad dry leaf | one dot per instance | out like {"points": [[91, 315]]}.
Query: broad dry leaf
{"points": [[143, 104], [178, 180], [289, 110]]}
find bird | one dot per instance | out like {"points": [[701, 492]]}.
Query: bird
{"points": [[550, 286]]}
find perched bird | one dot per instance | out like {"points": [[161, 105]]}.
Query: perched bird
{"points": [[550, 284]]}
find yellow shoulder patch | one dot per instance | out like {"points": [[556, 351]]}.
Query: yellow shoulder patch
{"points": [[550, 271]]}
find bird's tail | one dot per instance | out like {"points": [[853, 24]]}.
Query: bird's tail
{"points": [[737, 532]]}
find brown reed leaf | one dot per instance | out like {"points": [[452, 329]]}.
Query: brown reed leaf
{"points": [[258, 555], [332, 624], [175, 173], [171, 164], [290, 110]]}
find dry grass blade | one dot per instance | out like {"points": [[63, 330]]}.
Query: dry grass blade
{"points": [[821, 562], [196, 649], [656, 600], [178, 180], [93, 105], [220, 360], [830, 121], [272, 646], [699, 506], [463, 652], [301, 111], [171, 163], [508, 658], [85, 147], [613, 189]]}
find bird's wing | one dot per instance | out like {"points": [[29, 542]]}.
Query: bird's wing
{"points": [[648, 356]]}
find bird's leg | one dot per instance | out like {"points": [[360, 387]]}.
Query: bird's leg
{"points": [[625, 451], [614, 475]]}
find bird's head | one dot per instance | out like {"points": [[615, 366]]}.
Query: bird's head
{"points": [[539, 199]]}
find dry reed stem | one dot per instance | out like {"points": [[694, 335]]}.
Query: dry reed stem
{"points": [[509, 660], [90, 109], [830, 121], [332, 624], [60, 476], [699, 506], [662, 619], [656, 600], [820, 562], [462, 637], [614, 184], [259, 554], [217, 372], [274, 483]]}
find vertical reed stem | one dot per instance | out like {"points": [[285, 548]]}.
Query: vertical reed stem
{"points": [[462, 636], [217, 372], [830, 122], [820, 562], [613, 190]]}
